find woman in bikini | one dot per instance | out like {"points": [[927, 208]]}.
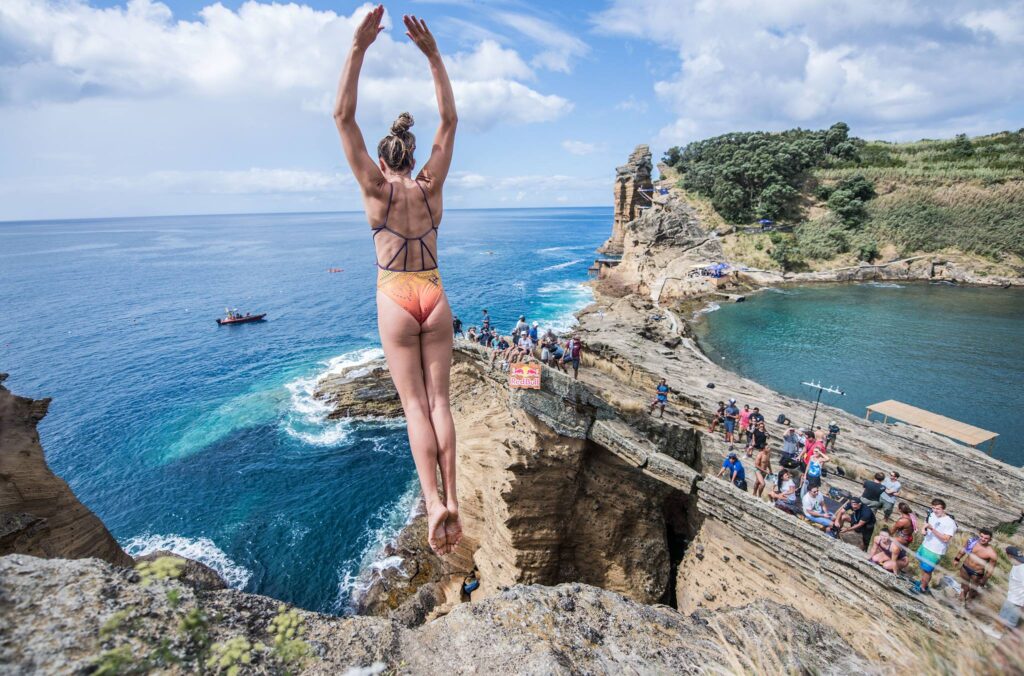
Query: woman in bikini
{"points": [[413, 316]]}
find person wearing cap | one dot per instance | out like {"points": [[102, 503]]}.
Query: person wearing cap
{"points": [[732, 413], [1010, 613], [534, 332], [861, 520], [833, 432], [737, 475]]}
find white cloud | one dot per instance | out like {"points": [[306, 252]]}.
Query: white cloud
{"points": [[879, 65], [65, 51], [560, 48], [580, 147]]}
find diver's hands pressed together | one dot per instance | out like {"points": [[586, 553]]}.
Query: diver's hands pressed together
{"points": [[369, 29], [418, 32]]}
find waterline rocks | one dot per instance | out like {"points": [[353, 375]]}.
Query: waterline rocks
{"points": [[362, 390], [39, 515]]}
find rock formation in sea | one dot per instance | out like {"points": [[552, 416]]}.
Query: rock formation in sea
{"points": [[39, 515], [633, 192], [360, 391]]}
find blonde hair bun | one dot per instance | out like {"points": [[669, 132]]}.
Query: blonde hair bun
{"points": [[401, 125]]}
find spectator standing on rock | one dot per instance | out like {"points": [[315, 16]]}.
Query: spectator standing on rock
{"points": [[892, 492], [873, 491], [718, 418], [732, 414], [815, 467], [939, 530], [660, 398], [830, 438], [756, 417], [979, 562], [762, 468], [758, 439], [457, 327], [790, 444], [1010, 613], [573, 351], [745, 423], [486, 319], [814, 508], [534, 332]]}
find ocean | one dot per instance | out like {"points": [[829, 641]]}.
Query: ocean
{"points": [[206, 440], [957, 351]]}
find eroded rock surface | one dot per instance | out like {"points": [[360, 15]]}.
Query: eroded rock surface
{"points": [[62, 616], [365, 390], [39, 515], [632, 193]]}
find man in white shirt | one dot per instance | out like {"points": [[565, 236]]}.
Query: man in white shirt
{"points": [[526, 345], [814, 508], [1010, 613], [939, 530]]}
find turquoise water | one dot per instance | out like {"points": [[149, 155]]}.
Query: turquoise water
{"points": [[957, 351], [206, 440]]}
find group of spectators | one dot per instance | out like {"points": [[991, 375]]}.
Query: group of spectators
{"points": [[797, 489], [524, 343]]}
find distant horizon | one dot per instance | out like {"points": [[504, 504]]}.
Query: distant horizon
{"points": [[281, 213]]}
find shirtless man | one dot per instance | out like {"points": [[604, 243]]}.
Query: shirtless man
{"points": [[762, 467], [979, 561]]}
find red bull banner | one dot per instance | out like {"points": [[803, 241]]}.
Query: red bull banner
{"points": [[524, 376]]}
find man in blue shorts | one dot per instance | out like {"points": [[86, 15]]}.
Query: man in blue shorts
{"points": [[732, 412], [939, 530]]}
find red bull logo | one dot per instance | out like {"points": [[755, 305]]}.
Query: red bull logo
{"points": [[524, 376]]}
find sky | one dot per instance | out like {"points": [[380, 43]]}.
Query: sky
{"points": [[140, 107]]}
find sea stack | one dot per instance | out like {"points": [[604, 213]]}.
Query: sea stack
{"points": [[632, 191]]}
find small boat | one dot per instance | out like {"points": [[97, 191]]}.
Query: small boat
{"points": [[241, 319]]}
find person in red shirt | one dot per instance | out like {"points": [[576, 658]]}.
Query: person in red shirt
{"points": [[573, 349]]}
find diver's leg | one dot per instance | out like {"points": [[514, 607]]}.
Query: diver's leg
{"points": [[400, 337], [436, 351]]}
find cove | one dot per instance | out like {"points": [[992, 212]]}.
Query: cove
{"points": [[957, 351]]}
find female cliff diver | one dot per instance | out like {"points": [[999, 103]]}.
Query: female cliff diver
{"points": [[413, 316]]}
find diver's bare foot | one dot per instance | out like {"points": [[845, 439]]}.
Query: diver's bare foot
{"points": [[436, 534], [453, 527]]}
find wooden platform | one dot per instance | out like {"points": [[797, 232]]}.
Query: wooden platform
{"points": [[940, 424]]}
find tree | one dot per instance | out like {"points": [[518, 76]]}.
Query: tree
{"points": [[962, 147]]}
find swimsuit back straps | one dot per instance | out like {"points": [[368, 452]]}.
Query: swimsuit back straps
{"points": [[404, 249]]}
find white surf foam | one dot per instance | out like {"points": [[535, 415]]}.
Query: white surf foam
{"points": [[200, 549], [559, 266], [356, 575], [306, 419], [885, 285], [710, 307]]}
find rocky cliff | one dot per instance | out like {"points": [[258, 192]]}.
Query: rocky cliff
{"points": [[632, 194], [81, 616], [39, 515]]}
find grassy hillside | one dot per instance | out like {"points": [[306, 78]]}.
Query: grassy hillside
{"points": [[849, 199]]}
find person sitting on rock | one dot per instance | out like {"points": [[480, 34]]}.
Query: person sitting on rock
{"points": [[887, 552], [784, 492], [979, 562], [814, 507], [860, 519], [717, 418]]}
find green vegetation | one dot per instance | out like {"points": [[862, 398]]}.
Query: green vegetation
{"points": [[963, 194], [163, 568], [758, 174]]}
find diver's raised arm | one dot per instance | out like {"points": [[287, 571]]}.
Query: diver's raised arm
{"points": [[436, 168], [365, 170]]}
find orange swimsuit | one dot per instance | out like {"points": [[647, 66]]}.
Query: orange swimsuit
{"points": [[417, 291]]}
